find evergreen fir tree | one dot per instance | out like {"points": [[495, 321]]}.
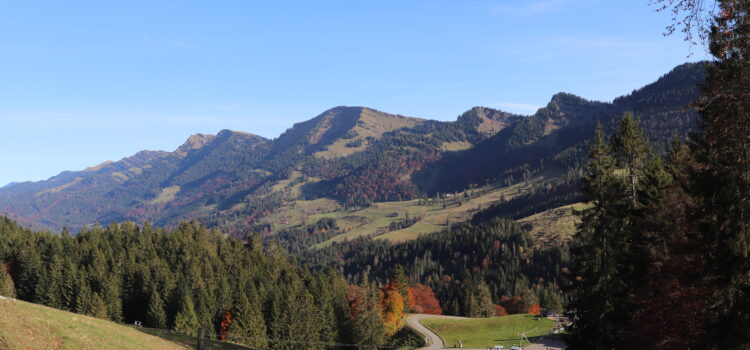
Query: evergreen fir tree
{"points": [[48, 287], [600, 245], [29, 267], [68, 286], [323, 296], [83, 298], [186, 321], [631, 150], [402, 283], [155, 315], [248, 327], [477, 300], [7, 288], [98, 308]]}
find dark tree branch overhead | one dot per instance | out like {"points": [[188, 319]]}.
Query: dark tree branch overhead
{"points": [[693, 18]]}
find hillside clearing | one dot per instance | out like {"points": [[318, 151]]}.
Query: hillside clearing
{"points": [[555, 226], [435, 214], [488, 332]]}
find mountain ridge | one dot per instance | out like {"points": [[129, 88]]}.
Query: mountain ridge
{"points": [[352, 154]]}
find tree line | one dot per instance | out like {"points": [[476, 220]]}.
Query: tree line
{"points": [[471, 268], [191, 277]]}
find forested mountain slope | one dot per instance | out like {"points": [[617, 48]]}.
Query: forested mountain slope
{"points": [[349, 157], [555, 136]]}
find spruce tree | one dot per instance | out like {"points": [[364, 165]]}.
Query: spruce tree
{"points": [[186, 321], [248, 327], [156, 317], [98, 308], [324, 302], [598, 244], [7, 288], [295, 318], [477, 300], [83, 298], [68, 286], [48, 287], [29, 267], [631, 150], [402, 283]]}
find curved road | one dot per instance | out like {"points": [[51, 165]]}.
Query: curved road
{"points": [[434, 342]]}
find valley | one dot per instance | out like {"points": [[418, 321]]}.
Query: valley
{"points": [[353, 218], [389, 175]]}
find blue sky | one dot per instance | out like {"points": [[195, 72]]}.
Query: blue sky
{"points": [[85, 82]]}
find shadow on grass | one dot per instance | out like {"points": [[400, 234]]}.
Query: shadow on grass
{"points": [[190, 341], [555, 340]]}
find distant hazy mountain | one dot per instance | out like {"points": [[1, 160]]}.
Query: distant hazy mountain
{"points": [[355, 155]]}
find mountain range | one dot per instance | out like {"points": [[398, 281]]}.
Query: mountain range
{"points": [[348, 158]]}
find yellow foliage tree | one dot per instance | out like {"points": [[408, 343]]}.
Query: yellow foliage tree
{"points": [[394, 316]]}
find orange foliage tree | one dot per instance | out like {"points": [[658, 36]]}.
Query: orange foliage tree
{"points": [[499, 310], [423, 300], [534, 309], [393, 309]]}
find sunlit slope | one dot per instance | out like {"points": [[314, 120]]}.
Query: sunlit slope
{"points": [[30, 326]]}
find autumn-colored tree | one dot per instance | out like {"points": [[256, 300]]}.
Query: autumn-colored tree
{"points": [[423, 300], [355, 296], [514, 305], [367, 315], [534, 309], [499, 310], [393, 309], [225, 320], [398, 277]]}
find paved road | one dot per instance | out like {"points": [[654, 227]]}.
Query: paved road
{"points": [[434, 342]]}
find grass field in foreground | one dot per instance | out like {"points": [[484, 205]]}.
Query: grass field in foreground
{"points": [[30, 326], [488, 332]]}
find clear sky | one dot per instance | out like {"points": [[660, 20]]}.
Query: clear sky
{"points": [[85, 82]]}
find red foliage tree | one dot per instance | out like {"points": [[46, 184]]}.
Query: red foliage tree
{"points": [[355, 295], [226, 321], [514, 305], [499, 310], [423, 300]]}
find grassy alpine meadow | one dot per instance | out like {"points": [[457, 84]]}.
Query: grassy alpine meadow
{"points": [[488, 332], [30, 326]]}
